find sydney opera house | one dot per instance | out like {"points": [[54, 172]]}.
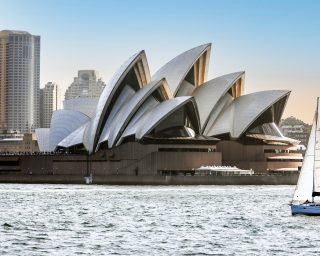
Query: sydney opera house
{"points": [[171, 122]]}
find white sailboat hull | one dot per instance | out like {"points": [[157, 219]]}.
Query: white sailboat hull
{"points": [[310, 209]]}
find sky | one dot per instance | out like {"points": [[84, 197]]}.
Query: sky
{"points": [[277, 42]]}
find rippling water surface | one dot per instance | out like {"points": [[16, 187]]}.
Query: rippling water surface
{"points": [[143, 220]]}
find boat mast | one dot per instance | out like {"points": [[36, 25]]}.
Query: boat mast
{"points": [[315, 145]]}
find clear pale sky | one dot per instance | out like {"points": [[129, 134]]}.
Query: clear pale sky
{"points": [[277, 42]]}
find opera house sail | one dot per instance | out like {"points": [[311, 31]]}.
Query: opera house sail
{"points": [[174, 120]]}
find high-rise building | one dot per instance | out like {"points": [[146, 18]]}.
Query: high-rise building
{"points": [[19, 81], [86, 85], [50, 100]]}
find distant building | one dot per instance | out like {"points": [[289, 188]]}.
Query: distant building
{"points": [[10, 134], [50, 100], [25, 144], [303, 137], [19, 81], [292, 129], [86, 85], [296, 132]]}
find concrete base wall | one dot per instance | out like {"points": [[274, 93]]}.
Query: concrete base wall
{"points": [[133, 163], [156, 180], [130, 159], [256, 157]]}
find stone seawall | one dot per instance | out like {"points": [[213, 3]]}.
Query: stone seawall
{"points": [[290, 179]]}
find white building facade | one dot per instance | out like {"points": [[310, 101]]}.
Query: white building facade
{"points": [[50, 101]]}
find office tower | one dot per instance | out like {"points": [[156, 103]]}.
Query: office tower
{"points": [[19, 81], [50, 100], [86, 85], [84, 92]]}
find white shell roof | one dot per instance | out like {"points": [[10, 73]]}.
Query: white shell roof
{"points": [[74, 138], [84, 105], [107, 95], [132, 108], [138, 118], [129, 109], [63, 123], [126, 94], [176, 70], [208, 94], [160, 112], [243, 111], [42, 135]]}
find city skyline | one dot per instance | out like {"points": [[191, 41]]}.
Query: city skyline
{"points": [[274, 42]]}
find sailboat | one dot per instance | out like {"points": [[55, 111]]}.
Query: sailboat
{"points": [[308, 186]]}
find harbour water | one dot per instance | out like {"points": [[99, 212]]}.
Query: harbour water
{"points": [[145, 220]]}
